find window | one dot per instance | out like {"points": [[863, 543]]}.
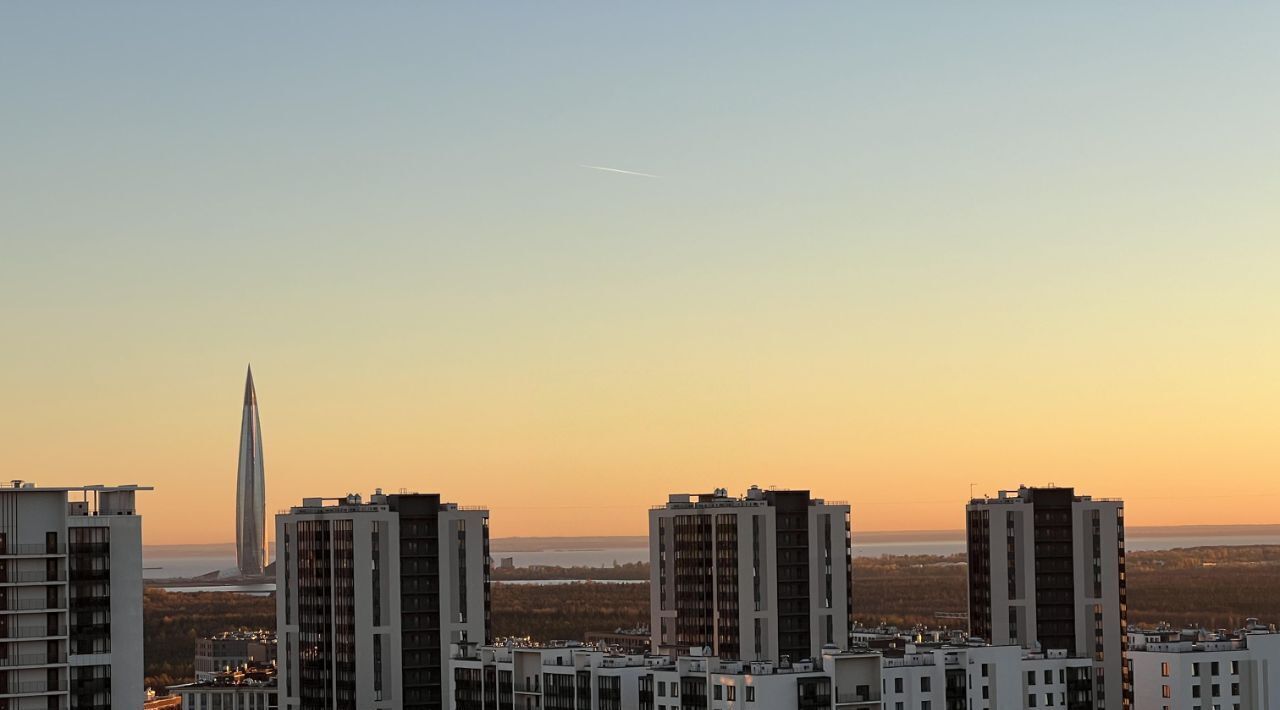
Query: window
{"points": [[1164, 671], [924, 683], [897, 685], [751, 693], [717, 693], [1031, 677]]}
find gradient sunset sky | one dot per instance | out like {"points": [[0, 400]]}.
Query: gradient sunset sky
{"points": [[888, 252]]}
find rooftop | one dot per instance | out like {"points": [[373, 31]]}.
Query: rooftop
{"points": [[1024, 494], [244, 635], [259, 676], [720, 498], [356, 503], [21, 485], [1164, 638]]}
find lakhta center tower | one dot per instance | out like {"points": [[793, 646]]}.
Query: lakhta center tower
{"points": [[251, 500]]}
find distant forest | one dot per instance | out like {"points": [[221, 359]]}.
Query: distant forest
{"points": [[1216, 587]]}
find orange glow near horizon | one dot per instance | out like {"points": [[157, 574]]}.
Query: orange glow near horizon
{"points": [[597, 457]]}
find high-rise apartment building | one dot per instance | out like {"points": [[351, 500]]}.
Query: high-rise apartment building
{"points": [[70, 597], [251, 489], [758, 577], [370, 597], [1046, 572]]}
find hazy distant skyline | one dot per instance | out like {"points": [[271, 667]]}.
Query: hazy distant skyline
{"points": [[893, 251]]}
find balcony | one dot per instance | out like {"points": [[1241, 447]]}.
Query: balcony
{"points": [[26, 605], [33, 577], [34, 687], [31, 659], [33, 632], [35, 549], [858, 701], [89, 604]]}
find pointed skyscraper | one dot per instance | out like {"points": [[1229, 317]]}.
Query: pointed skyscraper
{"points": [[251, 492]]}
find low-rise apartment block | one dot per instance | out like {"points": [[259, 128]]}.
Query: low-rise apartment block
{"points": [[1194, 669], [231, 650], [584, 678], [251, 688]]}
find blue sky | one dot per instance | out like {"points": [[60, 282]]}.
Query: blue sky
{"points": [[883, 239]]}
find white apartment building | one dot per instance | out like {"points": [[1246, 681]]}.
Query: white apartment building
{"points": [[545, 677], [937, 677], [225, 652], [1046, 572], [917, 677], [575, 677], [1195, 670], [235, 690], [764, 576], [372, 594], [70, 597]]}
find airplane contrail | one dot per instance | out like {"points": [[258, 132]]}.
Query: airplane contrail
{"points": [[617, 170]]}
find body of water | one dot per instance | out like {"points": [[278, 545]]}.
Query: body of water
{"points": [[186, 567]]}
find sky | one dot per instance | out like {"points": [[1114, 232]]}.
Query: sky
{"points": [[890, 252]]}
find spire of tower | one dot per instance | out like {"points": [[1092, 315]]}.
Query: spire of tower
{"points": [[251, 509], [250, 396]]}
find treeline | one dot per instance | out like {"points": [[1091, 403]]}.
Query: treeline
{"points": [[905, 590], [567, 611], [1217, 587], [172, 621], [629, 570], [1214, 587]]}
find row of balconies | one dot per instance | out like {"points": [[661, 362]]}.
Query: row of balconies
{"points": [[32, 659], [32, 687], [32, 632]]}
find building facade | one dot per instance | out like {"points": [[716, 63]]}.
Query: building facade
{"points": [[252, 688], [980, 677], [251, 489], [227, 651], [70, 597], [575, 677], [1193, 669], [371, 595], [1047, 573], [764, 577]]}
